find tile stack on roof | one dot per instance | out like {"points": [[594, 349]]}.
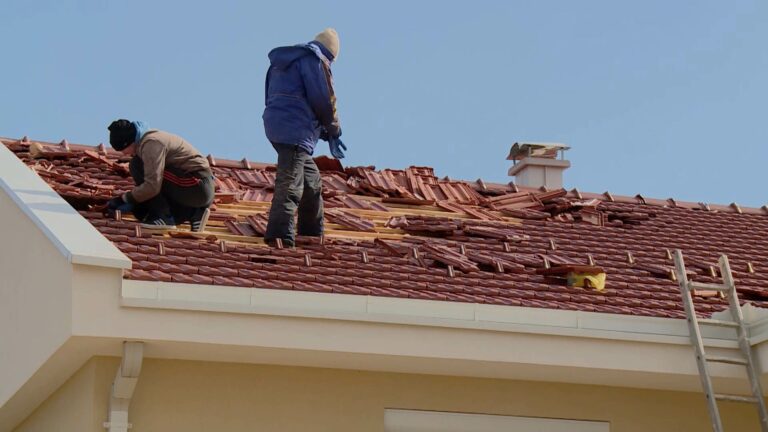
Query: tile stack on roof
{"points": [[406, 233]]}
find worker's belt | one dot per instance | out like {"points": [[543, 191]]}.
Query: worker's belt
{"points": [[189, 180], [204, 174]]}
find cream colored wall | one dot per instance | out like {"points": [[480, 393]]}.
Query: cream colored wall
{"points": [[201, 396], [72, 407], [35, 298]]}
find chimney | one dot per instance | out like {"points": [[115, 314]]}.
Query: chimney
{"points": [[536, 164]]}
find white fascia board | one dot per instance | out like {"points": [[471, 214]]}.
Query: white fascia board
{"points": [[73, 236], [258, 301], [758, 331]]}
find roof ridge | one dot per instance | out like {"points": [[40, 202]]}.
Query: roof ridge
{"points": [[606, 196], [479, 185]]}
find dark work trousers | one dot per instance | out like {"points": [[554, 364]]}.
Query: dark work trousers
{"points": [[181, 195], [298, 184]]}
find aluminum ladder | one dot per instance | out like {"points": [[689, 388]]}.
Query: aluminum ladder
{"points": [[728, 290]]}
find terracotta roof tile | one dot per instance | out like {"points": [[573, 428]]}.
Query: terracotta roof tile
{"points": [[406, 233]]}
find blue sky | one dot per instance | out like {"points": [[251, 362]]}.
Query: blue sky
{"points": [[662, 98]]}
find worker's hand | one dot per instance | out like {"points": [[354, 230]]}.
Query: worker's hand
{"points": [[336, 145], [118, 203]]}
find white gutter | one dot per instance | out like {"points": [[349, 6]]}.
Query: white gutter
{"points": [[429, 313]]}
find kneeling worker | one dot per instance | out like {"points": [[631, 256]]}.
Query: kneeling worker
{"points": [[174, 182]]}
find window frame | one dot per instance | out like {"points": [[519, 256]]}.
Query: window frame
{"points": [[403, 420]]}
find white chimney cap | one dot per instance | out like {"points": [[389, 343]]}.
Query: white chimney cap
{"points": [[523, 150], [535, 164]]}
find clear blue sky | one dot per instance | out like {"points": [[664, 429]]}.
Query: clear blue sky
{"points": [[662, 98]]}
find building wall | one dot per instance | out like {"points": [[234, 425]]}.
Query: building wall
{"points": [[35, 299], [194, 396], [71, 407], [41, 239]]}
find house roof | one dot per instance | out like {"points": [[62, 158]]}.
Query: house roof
{"points": [[409, 234]]}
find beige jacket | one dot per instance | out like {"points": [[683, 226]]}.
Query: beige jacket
{"points": [[159, 151]]}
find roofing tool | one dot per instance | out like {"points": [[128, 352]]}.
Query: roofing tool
{"points": [[583, 276]]}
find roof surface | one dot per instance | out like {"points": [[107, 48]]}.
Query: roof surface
{"points": [[407, 233]]}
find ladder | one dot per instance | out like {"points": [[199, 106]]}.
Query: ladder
{"points": [[728, 289]]}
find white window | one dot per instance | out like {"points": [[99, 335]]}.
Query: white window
{"points": [[396, 420]]}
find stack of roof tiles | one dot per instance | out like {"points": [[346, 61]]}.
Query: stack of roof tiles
{"points": [[407, 233]]}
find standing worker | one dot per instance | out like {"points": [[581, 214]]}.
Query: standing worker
{"points": [[174, 182], [300, 109]]}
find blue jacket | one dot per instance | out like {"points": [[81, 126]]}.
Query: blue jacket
{"points": [[299, 97]]}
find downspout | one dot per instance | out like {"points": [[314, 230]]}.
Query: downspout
{"points": [[123, 387]]}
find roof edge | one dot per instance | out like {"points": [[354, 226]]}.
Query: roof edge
{"points": [[457, 339], [429, 313], [71, 233]]}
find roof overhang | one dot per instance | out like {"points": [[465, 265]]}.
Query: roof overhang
{"points": [[216, 323], [72, 235]]}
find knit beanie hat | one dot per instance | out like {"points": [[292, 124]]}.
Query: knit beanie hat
{"points": [[122, 133], [330, 40]]}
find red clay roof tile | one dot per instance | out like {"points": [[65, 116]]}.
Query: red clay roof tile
{"points": [[492, 236]]}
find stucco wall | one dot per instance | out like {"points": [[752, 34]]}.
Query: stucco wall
{"points": [[72, 407], [35, 298], [200, 396], [41, 237]]}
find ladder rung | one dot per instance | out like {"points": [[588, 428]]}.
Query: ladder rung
{"points": [[708, 287], [729, 360], [734, 398], [720, 323]]}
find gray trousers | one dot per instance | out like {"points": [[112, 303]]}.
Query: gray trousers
{"points": [[298, 185]]}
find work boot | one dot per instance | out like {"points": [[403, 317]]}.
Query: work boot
{"points": [[159, 223], [199, 219], [279, 243]]}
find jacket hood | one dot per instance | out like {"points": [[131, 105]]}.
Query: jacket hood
{"points": [[321, 51], [282, 57]]}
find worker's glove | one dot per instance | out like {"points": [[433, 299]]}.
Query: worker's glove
{"points": [[118, 203], [333, 129], [325, 135], [336, 145]]}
